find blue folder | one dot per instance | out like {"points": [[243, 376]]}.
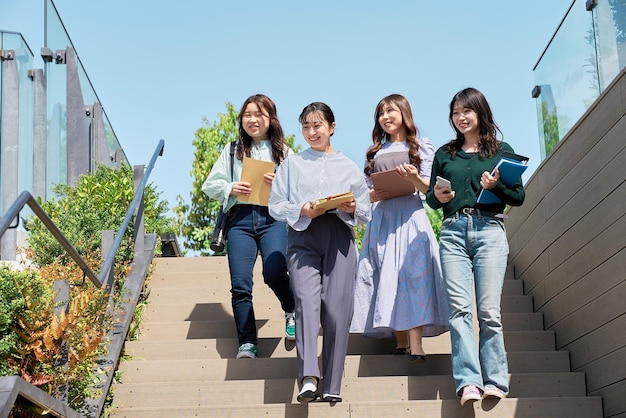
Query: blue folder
{"points": [[511, 167]]}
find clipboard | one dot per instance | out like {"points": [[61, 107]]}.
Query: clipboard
{"points": [[393, 183], [252, 172], [331, 202]]}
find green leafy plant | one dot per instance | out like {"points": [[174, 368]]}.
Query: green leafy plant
{"points": [[98, 202], [435, 216], [54, 351]]}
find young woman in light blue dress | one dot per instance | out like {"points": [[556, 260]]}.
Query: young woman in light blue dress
{"points": [[399, 286]]}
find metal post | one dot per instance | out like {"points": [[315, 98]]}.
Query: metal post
{"points": [[78, 146], [39, 135], [62, 303], [102, 155], [139, 233], [10, 144]]}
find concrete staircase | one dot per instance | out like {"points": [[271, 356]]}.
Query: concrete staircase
{"points": [[184, 364]]}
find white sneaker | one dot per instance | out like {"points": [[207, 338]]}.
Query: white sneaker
{"points": [[493, 392]]}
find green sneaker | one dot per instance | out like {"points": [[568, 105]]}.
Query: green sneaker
{"points": [[290, 326], [247, 350]]}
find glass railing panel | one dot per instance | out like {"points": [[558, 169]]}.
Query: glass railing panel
{"points": [[25, 60], [567, 75], [58, 39], [609, 17]]}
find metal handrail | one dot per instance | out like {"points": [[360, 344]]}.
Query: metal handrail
{"points": [[25, 198], [110, 258]]}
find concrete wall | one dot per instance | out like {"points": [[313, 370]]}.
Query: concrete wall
{"points": [[568, 245]]}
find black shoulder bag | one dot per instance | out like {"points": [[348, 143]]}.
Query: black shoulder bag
{"points": [[218, 238]]}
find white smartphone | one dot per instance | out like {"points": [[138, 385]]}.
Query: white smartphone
{"points": [[443, 183]]}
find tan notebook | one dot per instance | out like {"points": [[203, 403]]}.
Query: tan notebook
{"points": [[252, 171], [392, 182], [331, 202]]}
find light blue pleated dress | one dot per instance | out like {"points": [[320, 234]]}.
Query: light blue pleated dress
{"points": [[399, 284]]}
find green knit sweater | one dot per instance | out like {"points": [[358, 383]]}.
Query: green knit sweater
{"points": [[464, 172]]}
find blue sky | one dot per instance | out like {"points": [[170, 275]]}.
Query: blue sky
{"points": [[160, 67]]}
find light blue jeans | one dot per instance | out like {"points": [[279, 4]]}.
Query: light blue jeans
{"points": [[475, 244]]}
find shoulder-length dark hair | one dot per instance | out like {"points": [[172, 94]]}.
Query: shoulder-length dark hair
{"points": [[379, 137], [488, 144], [320, 109], [274, 134]]}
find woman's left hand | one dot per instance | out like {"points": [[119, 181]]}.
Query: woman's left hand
{"points": [[487, 181], [407, 170], [268, 178], [348, 207]]}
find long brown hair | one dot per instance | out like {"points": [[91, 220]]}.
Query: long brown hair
{"points": [[488, 144], [275, 132], [379, 137]]}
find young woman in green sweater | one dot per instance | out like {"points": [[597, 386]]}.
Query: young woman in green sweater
{"points": [[473, 244]]}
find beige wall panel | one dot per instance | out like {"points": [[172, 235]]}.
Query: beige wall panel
{"points": [[527, 242], [593, 285], [591, 316], [613, 400], [535, 192], [610, 241], [607, 370], [533, 272], [591, 347], [589, 167]]}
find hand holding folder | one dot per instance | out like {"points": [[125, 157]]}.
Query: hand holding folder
{"points": [[392, 183], [331, 202], [511, 167], [252, 171]]}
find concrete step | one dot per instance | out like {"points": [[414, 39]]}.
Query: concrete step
{"points": [[355, 389], [193, 298], [184, 331], [163, 310], [213, 273], [183, 364], [515, 321], [184, 370], [209, 348], [565, 407]]}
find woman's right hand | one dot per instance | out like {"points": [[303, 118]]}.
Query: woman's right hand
{"points": [[307, 210], [241, 188], [376, 195], [443, 195]]}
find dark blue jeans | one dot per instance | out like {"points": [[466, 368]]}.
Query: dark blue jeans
{"points": [[253, 230]]}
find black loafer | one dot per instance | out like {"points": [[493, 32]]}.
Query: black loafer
{"points": [[306, 396], [418, 357], [399, 351], [331, 398]]}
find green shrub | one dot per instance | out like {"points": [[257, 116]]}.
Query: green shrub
{"points": [[435, 216], [33, 334], [98, 202], [11, 305]]}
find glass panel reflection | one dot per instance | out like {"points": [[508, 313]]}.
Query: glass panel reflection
{"points": [[585, 55]]}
